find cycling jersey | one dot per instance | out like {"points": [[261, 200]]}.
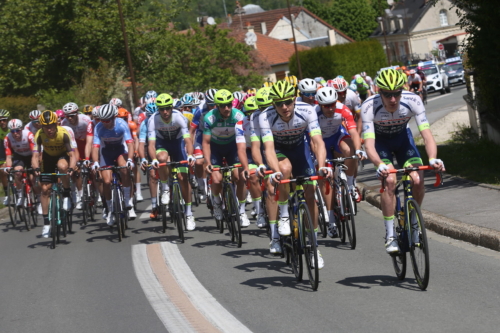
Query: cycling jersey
{"points": [[59, 145], [22, 147], [30, 127], [362, 88], [133, 128], [352, 101], [331, 125], [377, 121], [117, 137], [288, 134], [414, 79], [173, 130], [243, 131], [3, 134], [82, 129], [221, 130]]}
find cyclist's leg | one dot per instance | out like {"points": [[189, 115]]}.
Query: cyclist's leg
{"points": [[48, 164], [3, 177], [126, 183], [199, 168], [62, 166]]}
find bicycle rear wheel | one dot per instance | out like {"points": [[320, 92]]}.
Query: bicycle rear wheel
{"points": [[85, 200], [321, 211], [294, 252], [13, 211], [32, 208], [53, 220], [419, 248], [234, 215], [163, 211], [176, 204], [308, 243], [350, 226]]}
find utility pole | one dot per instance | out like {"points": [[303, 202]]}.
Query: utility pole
{"points": [[127, 51], [294, 41]]}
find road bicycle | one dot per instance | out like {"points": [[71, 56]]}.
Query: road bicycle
{"points": [[410, 228], [264, 198], [119, 207], [344, 205], [302, 240], [89, 195], [27, 212], [230, 205]]}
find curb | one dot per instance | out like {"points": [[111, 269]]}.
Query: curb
{"points": [[476, 235]]}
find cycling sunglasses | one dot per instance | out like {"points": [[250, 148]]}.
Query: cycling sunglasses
{"points": [[165, 108], [286, 102], [227, 105], [310, 95], [332, 105], [15, 130], [107, 121], [71, 115], [387, 94]]}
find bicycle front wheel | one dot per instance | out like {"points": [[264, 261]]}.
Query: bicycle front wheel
{"points": [[321, 212], [308, 244], [292, 245], [12, 197], [349, 212], [419, 248], [233, 212], [53, 219], [176, 213]]}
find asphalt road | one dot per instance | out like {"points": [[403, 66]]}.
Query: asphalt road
{"points": [[89, 284]]}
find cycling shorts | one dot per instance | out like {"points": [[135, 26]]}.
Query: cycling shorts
{"points": [[403, 146], [110, 154], [228, 151], [415, 86], [49, 165], [300, 159], [20, 160], [174, 148], [333, 142]]}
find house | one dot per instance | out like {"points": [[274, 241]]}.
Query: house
{"points": [[411, 29]]}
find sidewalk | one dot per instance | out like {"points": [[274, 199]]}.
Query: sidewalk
{"points": [[459, 209]]}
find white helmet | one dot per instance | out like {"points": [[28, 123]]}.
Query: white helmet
{"points": [[107, 111], [35, 114], [238, 95], [326, 95], [95, 111], [70, 108], [307, 86], [15, 124], [196, 101], [116, 102]]}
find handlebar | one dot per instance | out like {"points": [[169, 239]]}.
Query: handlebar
{"points": [[226, 168], [439, 174], [299, 180], [341, 159]]}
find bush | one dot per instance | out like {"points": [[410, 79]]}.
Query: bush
{"points": [[19, 106], [344, 59]]}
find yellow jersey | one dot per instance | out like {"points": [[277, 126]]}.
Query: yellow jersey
{"points": [[56, 146]]}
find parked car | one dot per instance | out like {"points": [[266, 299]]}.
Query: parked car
{"points": [[436, 81], [454, 69]]}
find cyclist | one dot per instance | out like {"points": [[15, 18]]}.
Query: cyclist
{"points": [[219, 141], [415, 83], [112, 144], [344, 140], [243, 144], [363, 88], [385, 119], [283, 127], [4, 130], [84, 134], [34, 125], [19, 145], [168, 136], [307, 91], [368, 81], [54, 143]]}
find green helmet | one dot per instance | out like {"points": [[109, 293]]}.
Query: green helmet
{"points": [[359, 80], [223, 96], [390, 79], [164, 100], [4, 113], [250, 104], [262, 97], [281, 90]]}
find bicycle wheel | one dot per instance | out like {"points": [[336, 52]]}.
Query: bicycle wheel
{"points": [[23, 212], [32, 208], [93, 197], [234, 215], [350, 226], [419, 248], [308, 244], [123, 213], [177, 218], [321, 211], [69, 220], [13, 212], [163, 212], [85, 200], [196, 198], [53, 219], [341, 212]]}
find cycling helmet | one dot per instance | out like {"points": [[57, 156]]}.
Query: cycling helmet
{"points": [[116, 102], [250, 104], [307, 86], [326, 95], [237, 104], [151, 108], [340, 76], [251, 91], [35, 114], [292, 79], [4, 113], [15, 124], [363, 74], [197, 95], [60, 114], [95, 112], [403, 68], [210, 94], [353, 87], [195, 102], [177, 104], [107, 111], [164, 100], [223, 96], [238, 95], [281, 90], [151, 94], [390, 79], [70, 108], [48, 118], [339, 84], [187, 100], [412, 71], [122, 113], [88, 109], [262, 97], [247, 96], [267, 84], [320, 80]]}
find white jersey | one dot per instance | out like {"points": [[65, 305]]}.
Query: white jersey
{"points": [[82, 128], [30, 127], [299, 99], [377, 121], [243, 131], [177, 128], [331, 125], [291, 133], [72, 137], [352, 101], [137, 111], [414, 79], [22, 147]]}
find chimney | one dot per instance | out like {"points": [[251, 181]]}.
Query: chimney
{"points": [[401, 24], [331, 37], [263, 27], [250, 36]]}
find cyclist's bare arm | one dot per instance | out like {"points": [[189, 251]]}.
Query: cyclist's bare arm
{"points": [[206, 148], [272, 159], [88, 145], [319, 149]]}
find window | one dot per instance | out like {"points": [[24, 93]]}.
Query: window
{"points": [[443, 18]]}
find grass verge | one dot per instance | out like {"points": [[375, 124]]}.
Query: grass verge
{"points": [[468, 156]]}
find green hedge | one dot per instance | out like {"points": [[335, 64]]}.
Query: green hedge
{"points": [[344, 59], [19, 106]]}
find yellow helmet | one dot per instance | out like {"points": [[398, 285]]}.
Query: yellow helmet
{"points": [[267, 84], [48, 118], [251, 91], [292, 79]]}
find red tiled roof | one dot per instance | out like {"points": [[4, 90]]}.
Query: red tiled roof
{"points": [[271, 17]]}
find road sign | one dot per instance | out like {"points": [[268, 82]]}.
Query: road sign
{"points": [[440, 47]]}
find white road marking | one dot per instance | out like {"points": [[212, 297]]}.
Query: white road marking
{"points": [[170, 316], [434, 98]]}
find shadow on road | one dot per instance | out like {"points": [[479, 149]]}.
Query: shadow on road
{"points": [[217, 242], [369, 281], [263, 253], [48, 244], [278, 281]]}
